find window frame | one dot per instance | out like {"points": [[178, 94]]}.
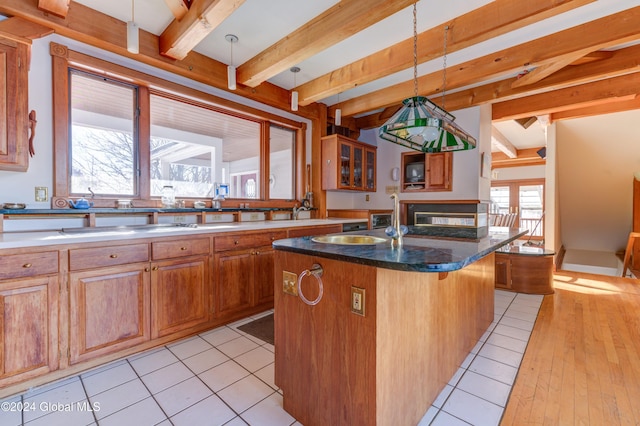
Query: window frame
{"points": [[63, 60]]}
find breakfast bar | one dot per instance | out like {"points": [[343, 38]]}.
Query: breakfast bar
{"points": [[369, 334]]}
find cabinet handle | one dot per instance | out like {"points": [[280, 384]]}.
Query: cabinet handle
{"points": [[113, 256], [146, 269], [253, 252], [236, 242], [155, 268], [26, 265], [257, 252], [183, 248]]}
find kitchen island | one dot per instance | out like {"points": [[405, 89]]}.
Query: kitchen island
{"points": [[390, 327]]}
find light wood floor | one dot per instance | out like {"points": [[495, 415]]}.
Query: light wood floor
{"points": [[582, 364]]}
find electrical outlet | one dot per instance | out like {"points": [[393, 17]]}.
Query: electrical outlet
{"points": [[290, 283], [357, 300]]}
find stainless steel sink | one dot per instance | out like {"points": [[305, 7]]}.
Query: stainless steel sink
{"points": [[358, 240]]}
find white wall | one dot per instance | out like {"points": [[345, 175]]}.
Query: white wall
{"points": [[20, 186], [597, 158], [466, 183]]}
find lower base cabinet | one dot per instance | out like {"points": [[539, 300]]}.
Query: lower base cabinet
{"points": [[179, 295], [109, 310], [29, 328]]}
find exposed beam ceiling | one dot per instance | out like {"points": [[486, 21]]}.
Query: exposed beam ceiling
{"points": [[605, 32], [178, 7], [343, 20], [496, 18], [525, 157], [182, 35]]}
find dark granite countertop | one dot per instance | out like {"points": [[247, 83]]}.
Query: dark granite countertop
{"points": [[140, 210], [419, 253]]}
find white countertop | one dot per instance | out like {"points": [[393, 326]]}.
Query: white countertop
{"points": [[49, 238]]}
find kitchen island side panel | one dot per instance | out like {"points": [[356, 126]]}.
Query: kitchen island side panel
{"points": [[427, 325], [386, 368], [325, 355]]}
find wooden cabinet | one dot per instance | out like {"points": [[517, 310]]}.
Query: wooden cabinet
{"points": [[244, 271], [503, 271], [426, 172], [108, 300], [525, 272], [14, 120], [180, 285], [348, 164], [29, 295]]}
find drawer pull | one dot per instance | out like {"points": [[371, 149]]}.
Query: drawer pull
{"points": [[155, 268], [236, 242], [113, 256], [183, 248], [27, 265]]}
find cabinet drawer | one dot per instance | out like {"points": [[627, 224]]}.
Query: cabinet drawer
{"points": [[28, 265], [169, 249], [97, 257], [232, 242]]}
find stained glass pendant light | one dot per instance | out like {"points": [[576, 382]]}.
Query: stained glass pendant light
{"points": [[422, 125]]}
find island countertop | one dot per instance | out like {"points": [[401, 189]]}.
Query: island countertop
{"points": [[418, 253]]}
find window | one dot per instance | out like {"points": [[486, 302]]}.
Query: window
{"points": [[102, 144], [523, 197], [123, 134]]}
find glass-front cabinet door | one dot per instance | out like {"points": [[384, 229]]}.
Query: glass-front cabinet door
{"points": [[357, 167], [371, 170], [345, 165]]}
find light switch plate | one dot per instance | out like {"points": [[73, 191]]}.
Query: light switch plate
{"points": [[42, 194]]}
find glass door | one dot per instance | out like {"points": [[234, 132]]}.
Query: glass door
{"points": [[345, 165], [525, 200]]}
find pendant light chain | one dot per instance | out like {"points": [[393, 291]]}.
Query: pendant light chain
{"points": [[444, 67], [415, 49]]}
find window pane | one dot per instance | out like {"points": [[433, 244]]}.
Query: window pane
{"points": [[102, 147], [193, 147], [500, 199], [531, 197], [282, 163]]}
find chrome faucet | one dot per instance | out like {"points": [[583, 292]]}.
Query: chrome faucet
{"points": [[297, 210], [396, 231]]}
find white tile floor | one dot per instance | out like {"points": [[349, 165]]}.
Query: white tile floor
{"points": [[225, 377]]}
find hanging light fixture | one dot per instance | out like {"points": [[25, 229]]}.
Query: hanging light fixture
{"points": [[133, 43], [231, 70], [338, 117], [422, 125], [294, 93]]}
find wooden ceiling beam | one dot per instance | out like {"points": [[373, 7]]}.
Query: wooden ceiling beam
{"points": [[494, 19], [337, 23], [569, 98], [179, 8], [57, 7], [204, 16], [602, 33], [525, 157], [544, 71], [104, 32], [620, 62], [501, 142], [604, 108]]}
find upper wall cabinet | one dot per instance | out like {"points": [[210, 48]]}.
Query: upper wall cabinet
{"points": [[14, 120], [348, 164], [426, 172]]}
